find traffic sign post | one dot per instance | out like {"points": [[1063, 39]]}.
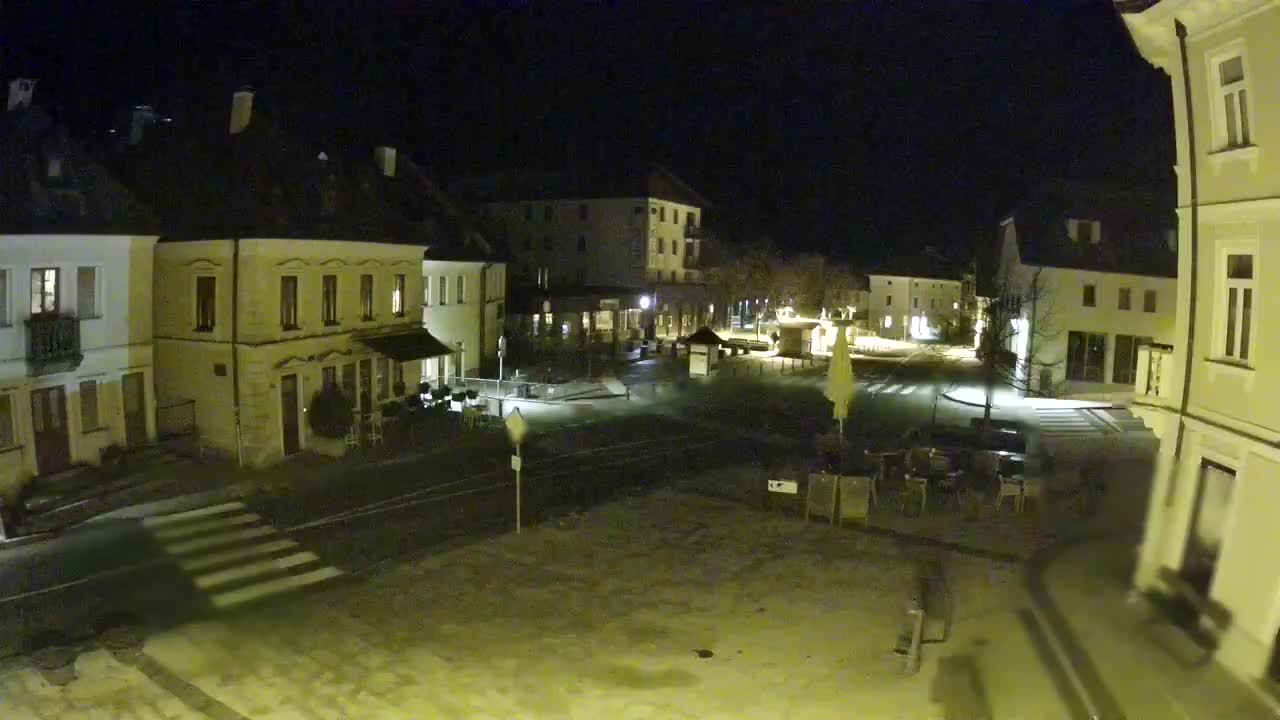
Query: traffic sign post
{"points": [[517, 428]]}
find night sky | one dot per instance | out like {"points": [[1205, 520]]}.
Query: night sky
{"points": [[857, 128]]}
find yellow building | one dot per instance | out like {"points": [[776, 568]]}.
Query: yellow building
{"points": [[1210, 398]]}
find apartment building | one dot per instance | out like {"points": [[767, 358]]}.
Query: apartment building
{"points": [[914, 297], [1092, 269], [76, 371], [1211, 514], [585, 243]]}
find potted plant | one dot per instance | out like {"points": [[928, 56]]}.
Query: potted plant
{"points": [[331, 417]]}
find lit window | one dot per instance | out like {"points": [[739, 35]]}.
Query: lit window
{"points": [[44, 290], [888, 321], [397, 296]]}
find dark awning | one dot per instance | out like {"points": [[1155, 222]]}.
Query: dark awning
{"points": [[416, 344], [704, 336]]}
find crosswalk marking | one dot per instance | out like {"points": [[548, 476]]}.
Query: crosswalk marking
{"points": [[217, 540], [892, 390], [226, 556], [240, 572], [1067, 424], [233, 556], [875, 388], [907, 390], [231, 598], [158, 520], [175, 532]]}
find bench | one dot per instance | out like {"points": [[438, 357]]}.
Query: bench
{"points": [[1184, 606]]}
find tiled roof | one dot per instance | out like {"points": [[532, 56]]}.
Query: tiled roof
{"points": [[1134, 225], [82, 197]]}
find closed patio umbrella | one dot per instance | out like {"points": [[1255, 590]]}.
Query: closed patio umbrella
{"points": [[840, 383]]}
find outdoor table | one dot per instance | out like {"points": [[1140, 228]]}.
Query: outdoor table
{"points": [[921, 482]]}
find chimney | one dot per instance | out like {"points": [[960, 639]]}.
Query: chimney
{"points": [[385, 157], [20, 91], [241, 109], [143, 116]]}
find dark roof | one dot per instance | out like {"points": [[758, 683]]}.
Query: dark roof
{"points": [[926, 264], [704, 336], [261, 182], [1134, 6], [451, 231], [1134, 225], [653, 181], [83, 198]]}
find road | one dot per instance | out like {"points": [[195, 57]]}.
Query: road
{"points": [[226, 556]]}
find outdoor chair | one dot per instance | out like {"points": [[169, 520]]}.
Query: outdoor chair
{"points": [[353, 436], [1012, 489], [375, 428], [1032, 488], [920, 484]]}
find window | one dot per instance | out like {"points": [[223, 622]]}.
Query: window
{"points": [[1208, 525], [444, 290], [675, 247], [582, 211], [384, 378], [544, 277], [582, 243], [662, 213], [1086, 355], [44, 290], [289, 302], [1084, 232], [915, 302], [1235, 102], [690, 219], [460, 289], [675, 216], [329, 376], [1125, 300], [329, 299], [1124, 367], [89, 420], [546, 214], [7, 436], [1239, 306], [206, 303], [397, 296], [87, 292], [662, 246], [397, 377], [639, 210], [888, 300], [933, 304], [4, 297], [366, 297], [1149, 301], [1090, 295]]}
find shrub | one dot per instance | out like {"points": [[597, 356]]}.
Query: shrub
{"points": [[330, 412]]}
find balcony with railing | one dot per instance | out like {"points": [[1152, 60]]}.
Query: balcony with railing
{"points": [[53, 343], [1154, 383]]}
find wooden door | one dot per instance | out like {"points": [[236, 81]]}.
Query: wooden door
{"points": [[289, 414], [135, 409], [49, 428]]}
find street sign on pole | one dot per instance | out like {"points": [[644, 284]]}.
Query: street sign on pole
{"points": [[517, 428]]}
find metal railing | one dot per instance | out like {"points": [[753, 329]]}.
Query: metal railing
{"points": [[53, 340]]}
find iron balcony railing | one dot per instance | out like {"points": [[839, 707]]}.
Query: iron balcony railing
{"points": [[53, 342]]}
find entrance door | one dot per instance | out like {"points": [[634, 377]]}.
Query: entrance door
{"points": [[289, 414], [366, 385], [49, 426], [135, 409], [349, 383]]}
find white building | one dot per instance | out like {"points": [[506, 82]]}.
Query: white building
{"points": [[1093, 270], [1211, 520], [75, 304], [914, 298]]}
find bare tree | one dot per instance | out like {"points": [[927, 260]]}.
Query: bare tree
{"points": [[1015, 323]]}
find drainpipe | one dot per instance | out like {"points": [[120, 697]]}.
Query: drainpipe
{"points": [[484, 306], [1189, 354], [235, 343]]}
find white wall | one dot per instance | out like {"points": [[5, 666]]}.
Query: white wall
{"points": [[116, 341], [902, 297], [454, 322]]}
